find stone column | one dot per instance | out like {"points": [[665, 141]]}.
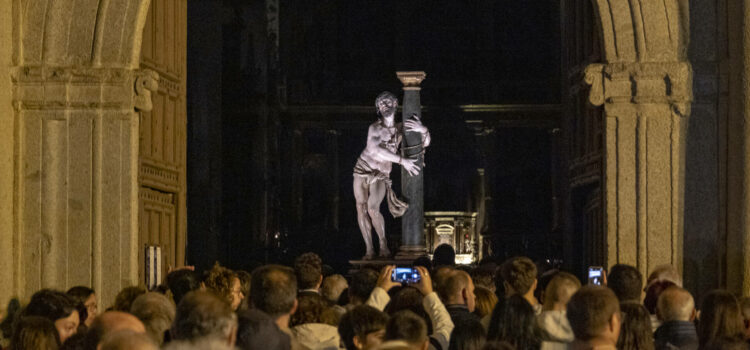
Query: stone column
{"points": [[646, 106], [412, 187], [7, 127]]}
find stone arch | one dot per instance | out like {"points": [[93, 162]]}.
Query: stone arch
{"points": [[98, 33], [645, 86]]}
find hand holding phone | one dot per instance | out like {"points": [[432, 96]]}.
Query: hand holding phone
{"points": [[596, 275], [405, 275]]}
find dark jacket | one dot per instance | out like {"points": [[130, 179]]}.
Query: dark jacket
{"points": [[676, 335], [460, 313]]}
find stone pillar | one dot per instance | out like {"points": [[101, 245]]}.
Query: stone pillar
{"points": [[7, 127], [412, 187], [646, 106]]}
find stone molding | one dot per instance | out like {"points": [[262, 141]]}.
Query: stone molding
{"points": [[411, 80], [641, 83]]}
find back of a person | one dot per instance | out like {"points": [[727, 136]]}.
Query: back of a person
{"points": [[317, 336]]}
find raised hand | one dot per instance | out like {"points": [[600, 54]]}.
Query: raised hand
{"points": [[384, 280], [425, 281]]}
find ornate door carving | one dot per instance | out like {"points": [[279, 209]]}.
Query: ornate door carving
{"points": [[162, 193]]}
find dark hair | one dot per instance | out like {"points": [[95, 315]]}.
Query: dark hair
{"points": [[80, 293], [626, 281], [202, 314], [498, 345], [407, 326], [6, 326], [542, 283], [483, 277], [636, 332], [50, 304], [520, 273], [274, 289], [309, 269], [362, 284], [514, 321], [653, 292], [720, 317], [409, 298], [383, 95], [34, 332], [444, 255], [257, 330], [360, 321], [590, 309], [485, 301], [156, 312], [726, 343], [423, 261], [469, 335], [181, 282], [313, 308], [124, 299]]}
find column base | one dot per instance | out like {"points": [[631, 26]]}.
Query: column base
{"points": [[411, 252]]}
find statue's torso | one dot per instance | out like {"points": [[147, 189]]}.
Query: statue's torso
{"points": [[388, 138]]}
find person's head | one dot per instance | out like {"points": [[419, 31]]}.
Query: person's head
{"points": [[204, 315], [468, 335], [308, 268], [665, 272], [362, 328], [87, 297], [653, 291], [514, 321], [720, 317], [225, 283], [726, 343], [313, 308], [362, 284], [594, 313], [256, 330], [274, 290], [423, 261], [332, 287], [411, 299], [457, 289], [127, 339], [109, 322], [486, 301], [408, 327], [483, 276], [626, 281], [34, 332], [444, 255], [675, 304], [542, 283], [519, 276], [386, 104], [636, 332], [124, 299], [156, 312], [244, 278], [57, 307], [559, 290], [181, 282]]}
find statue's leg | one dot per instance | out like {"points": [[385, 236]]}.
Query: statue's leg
{"points": [[377, 193], [361, 195]]}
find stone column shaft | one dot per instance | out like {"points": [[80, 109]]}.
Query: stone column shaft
{"points": [[646, 105], [412, 187]]}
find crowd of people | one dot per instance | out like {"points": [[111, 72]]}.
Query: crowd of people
{"points": [[513, 305]]}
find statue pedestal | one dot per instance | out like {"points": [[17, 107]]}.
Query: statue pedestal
{"points": [[377, 264]]}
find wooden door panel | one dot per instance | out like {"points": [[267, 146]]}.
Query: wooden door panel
{"points": [[162, 134]]}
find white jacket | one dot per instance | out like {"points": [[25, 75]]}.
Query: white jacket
{"points": [[556, 331], [317, 336], [442, 326]]}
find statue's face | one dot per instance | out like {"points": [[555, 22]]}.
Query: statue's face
{"points": [[387, 106]]}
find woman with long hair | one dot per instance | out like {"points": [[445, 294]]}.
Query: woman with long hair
{"points": [[635, 330], [720, 317], [513, 321]]}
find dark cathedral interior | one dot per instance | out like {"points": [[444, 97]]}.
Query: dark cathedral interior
{"points": [[274, 131]]}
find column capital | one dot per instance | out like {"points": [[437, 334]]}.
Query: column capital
{"points": [[640, 83], [411, 79]]}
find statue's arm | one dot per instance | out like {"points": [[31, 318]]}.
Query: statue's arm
{"points": [[415, 125]]}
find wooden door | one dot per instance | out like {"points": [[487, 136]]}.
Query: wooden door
{"points": [[162, 207]]}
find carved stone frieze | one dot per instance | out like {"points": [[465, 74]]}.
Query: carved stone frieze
{"points": [[641, 83]]}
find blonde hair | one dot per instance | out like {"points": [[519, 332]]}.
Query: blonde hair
{"points": [[559, 290], [486, 301]]}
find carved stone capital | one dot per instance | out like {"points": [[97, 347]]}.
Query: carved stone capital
{"points": [[412, 79], [146, 81], [641, 83]]}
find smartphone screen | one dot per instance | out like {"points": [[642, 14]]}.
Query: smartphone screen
{"points": [[405, 275], [595, 275]]}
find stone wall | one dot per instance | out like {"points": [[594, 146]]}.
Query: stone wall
{"points": [[69, 152]]}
